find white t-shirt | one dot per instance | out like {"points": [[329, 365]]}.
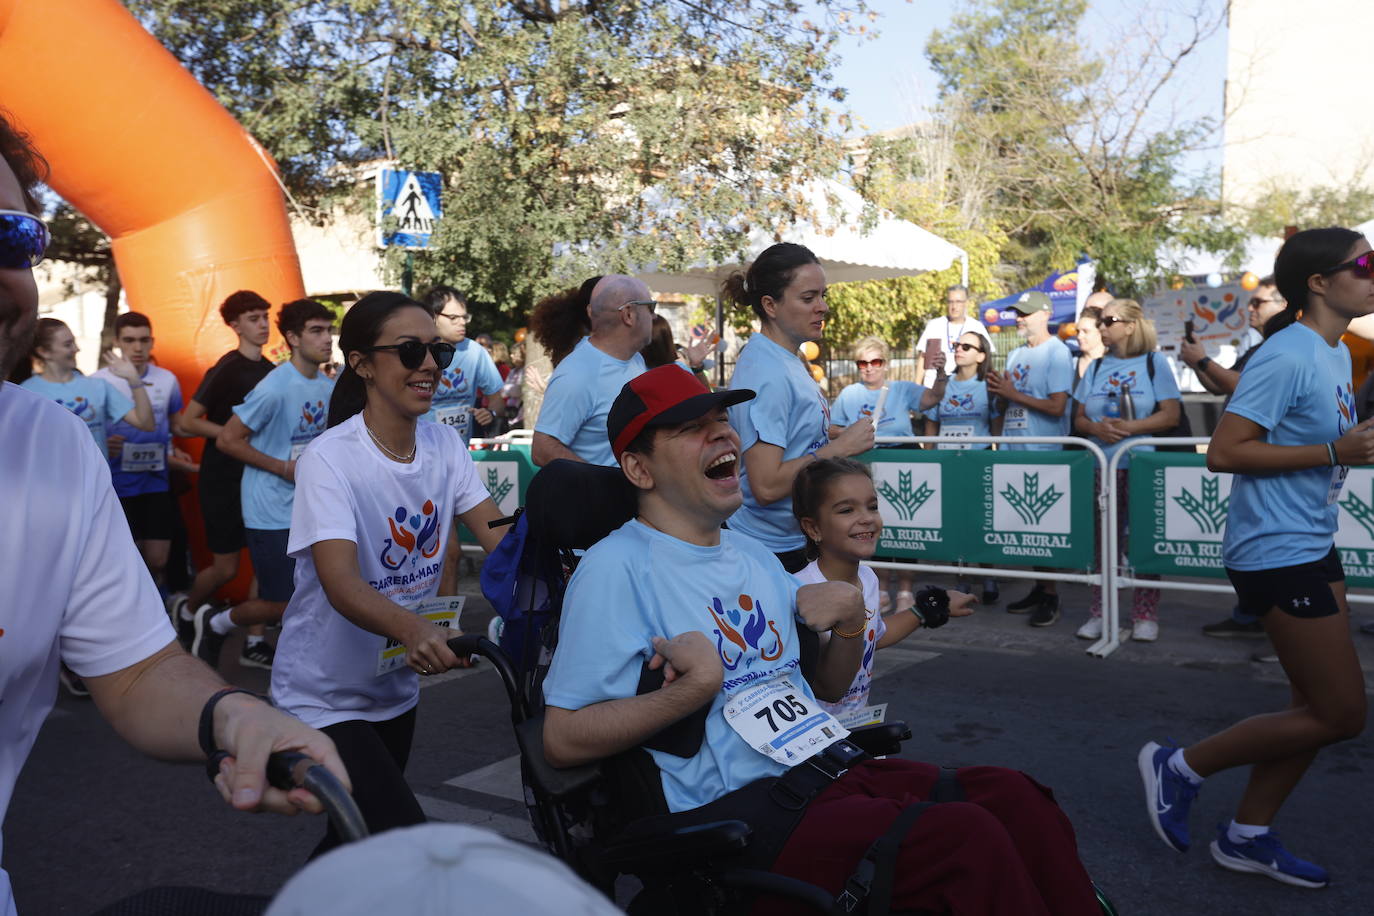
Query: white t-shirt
{"points": [[856, 697], [948, 335], [400, 516], [75, 586]]}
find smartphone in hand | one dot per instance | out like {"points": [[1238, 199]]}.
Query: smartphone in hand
{"points": [[1188, 331], [933, 347]]}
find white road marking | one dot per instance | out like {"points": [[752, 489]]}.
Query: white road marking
{"points": [[501, 778], [438, 809]]}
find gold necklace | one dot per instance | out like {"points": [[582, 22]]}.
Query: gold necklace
{"points": [[382, 445]]}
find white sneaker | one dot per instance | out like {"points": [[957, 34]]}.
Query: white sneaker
{"points": [[1145, 631], [1090, 630]]}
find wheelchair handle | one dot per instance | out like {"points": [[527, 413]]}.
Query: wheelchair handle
{"points": [[292, 769], [477, 644]]}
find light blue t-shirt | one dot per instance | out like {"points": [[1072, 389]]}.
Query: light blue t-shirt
{"points": [[1100, 389], [1039, 372], [638, 583], [580, 394], [789, 412], [94, 400], [1299, 389], [285, 411], [471, 371], [965, 410], [164, 393], [903, 398]]}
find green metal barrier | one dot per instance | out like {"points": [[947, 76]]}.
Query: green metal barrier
{"points": [[1178, 518], [506, 473], [982, 506]]}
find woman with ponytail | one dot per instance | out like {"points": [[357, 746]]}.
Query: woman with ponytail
{"points": [[560, 321], [1288, 435], [786, 426], [376, 499]]}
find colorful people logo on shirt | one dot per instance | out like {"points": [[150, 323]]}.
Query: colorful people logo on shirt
{"points": [[1345, 404], [745, 628], [1020, 376], [959, 404], [452, 382], [312, 417], [1121, 381], [411, 535], [79, 406]]}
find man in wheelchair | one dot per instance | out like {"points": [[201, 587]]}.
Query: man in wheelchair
{"points": [[688, 640]]}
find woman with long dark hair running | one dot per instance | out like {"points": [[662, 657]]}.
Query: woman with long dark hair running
{"points": [[1289, 435], [376, 497]]}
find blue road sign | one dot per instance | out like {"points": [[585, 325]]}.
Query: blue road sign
{"points": [[413, 199]]}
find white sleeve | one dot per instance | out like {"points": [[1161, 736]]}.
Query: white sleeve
{"points": [[323, 505], [468, 489], [114, 616]]}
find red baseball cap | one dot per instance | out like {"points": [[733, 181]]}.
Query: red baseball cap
{"points": [[664, 396]]}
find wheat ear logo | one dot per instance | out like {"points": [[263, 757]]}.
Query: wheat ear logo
{"points": [[1210, 511], [904, 499], [1029, 502], [1360, 511], [498, 486]]}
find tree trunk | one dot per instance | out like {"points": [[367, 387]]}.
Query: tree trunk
{"points": [[113, 287]]}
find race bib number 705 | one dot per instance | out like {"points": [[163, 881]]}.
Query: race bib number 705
{"points": [[777, 719]]}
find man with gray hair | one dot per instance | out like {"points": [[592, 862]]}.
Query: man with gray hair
{"points": [[572, 420], [948, 328]]}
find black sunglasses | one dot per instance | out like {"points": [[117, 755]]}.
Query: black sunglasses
{"points": [[1362, 267], [966, 347], [412, 352], [1109, 320], [23, 239]]}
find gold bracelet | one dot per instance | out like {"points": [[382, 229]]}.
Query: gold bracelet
{"points": [[855, 635]]}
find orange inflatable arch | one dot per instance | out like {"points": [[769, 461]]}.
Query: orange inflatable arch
{"points": [[190, 201]]}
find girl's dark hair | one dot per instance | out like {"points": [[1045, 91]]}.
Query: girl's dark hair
{"points": [[438, 295], [1304, 254], [769, 275], [559, 321], [24, 161], [660, 350], [43, 332], [812, 485], [362, 325], [981, 372]]}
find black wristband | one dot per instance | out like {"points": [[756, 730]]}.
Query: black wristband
{"points": [[1202, 364], [207, 717], [932, 606]]}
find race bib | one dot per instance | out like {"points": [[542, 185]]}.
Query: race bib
{"points": [[138, 457], [298, 449], [777, 719], [1338, 475], [956, 431], [443, 611], [863, 716], [460, 418], [1015, 418]]}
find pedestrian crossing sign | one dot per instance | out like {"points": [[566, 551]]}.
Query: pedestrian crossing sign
{"points": [[412, 199]]}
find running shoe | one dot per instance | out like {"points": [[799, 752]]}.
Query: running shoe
{"points": [[205, 642], [1229, 629], [1047, 613], [1092, 629], [258, 655], [73, 684], [1265, 855], [1145, 630], [1028, 603], [1168, 796]]}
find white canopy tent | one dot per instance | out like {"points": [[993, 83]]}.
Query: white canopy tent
{"points": [[889, 248]]}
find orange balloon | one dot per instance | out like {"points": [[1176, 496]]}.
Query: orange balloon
{"points": [[810, 350], [990, 315], [1248, 281], [520, 335], [1067, 330], [817, 373]]}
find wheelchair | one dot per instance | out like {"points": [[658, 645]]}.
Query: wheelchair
{"points": [[687, 865]]}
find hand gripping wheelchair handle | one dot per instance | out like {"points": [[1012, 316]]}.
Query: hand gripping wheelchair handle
{"points": [[291, 769], [477, 644]]}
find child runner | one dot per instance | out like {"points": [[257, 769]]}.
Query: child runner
{"points": [[376, 495], [837, 508], [894, 401], [1288, 435]]}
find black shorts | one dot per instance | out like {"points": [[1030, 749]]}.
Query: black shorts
{"points": [[1299, 591], [275, 570], [222, 514], [151, 515]]}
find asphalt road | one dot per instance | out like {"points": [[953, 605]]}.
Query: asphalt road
{"points": [[92, 821]]}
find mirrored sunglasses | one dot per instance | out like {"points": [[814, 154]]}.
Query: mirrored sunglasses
{"points": [[23, 239], [1362, 267], [875, 363], [412, 352]]}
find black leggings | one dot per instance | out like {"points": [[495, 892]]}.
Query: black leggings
{"points": [[375, 754]]}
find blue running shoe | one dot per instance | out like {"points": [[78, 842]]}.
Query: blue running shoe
{"points": [[1265, 855], [1168, 796]]}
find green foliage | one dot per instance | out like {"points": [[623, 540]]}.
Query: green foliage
{"points": [[554, 123], [1280, 206]]}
